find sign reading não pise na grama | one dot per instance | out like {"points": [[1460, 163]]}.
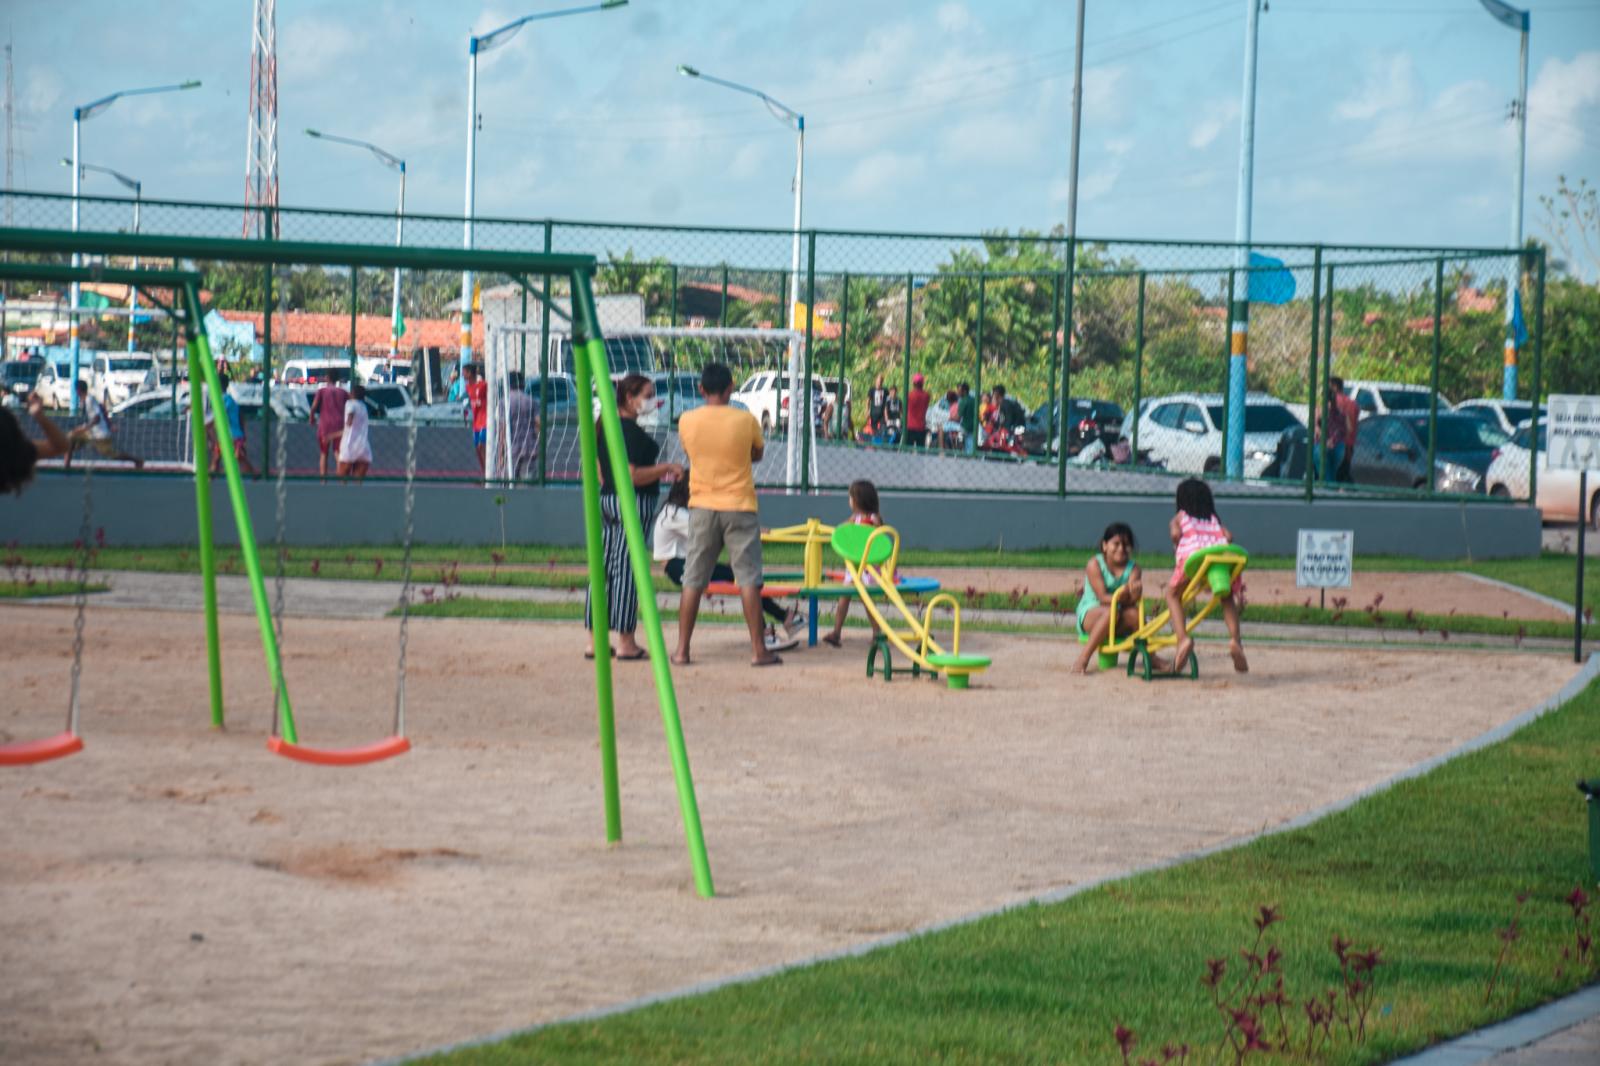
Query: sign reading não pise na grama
{"points": [[1324, 558], [1573, 432]]}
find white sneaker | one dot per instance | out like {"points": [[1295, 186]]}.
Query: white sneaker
{"points": [[777, 643], [795, 625]]}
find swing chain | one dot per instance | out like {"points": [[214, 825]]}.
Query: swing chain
{"points": [[281, 432], [405, 577], [82, 598]]}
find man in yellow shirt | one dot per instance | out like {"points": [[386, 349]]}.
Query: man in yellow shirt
{"points": [[722, 443]]}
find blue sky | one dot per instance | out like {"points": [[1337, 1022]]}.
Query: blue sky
{"points": [[1378, 120]]}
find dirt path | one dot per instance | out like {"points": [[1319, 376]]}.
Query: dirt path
{"points": [[176, 894]]}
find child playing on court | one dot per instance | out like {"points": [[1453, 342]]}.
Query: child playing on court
{"points": [[1197, 526], [863, 512], [1112, 569], [671, 546]]}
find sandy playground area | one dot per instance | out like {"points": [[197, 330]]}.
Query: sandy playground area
{"points": [[174, 894]]}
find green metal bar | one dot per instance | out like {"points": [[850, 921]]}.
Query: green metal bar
{"points": [[522, 336], [1057, 413], [1227, 363], [208, 548], [587, 371], [353, 297], [1433, 379], [1327, 340], [1138, 368], [1316, 413], [977, 355], [722, 309], [911, 296], [1066, 361], [62, 272], [796, 411], [266, 368], [544, 365], [1538, 393], [672, 356], [639, 559], [200, 358], [158, 246], [844, 341]]}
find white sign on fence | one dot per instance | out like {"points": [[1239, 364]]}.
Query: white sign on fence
{"points": [[1324, 558], [1574, 432]]}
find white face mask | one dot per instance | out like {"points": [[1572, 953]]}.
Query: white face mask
{"points": [[651, 413]]}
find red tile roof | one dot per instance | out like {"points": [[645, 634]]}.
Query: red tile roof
{"points": [[329, 330]]}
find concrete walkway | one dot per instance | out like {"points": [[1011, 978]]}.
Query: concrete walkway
{"points": [[1563, 1033]]}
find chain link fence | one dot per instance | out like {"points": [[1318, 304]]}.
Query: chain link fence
{"points": [[995, 363]]}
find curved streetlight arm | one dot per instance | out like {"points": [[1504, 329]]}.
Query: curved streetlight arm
{"points": [[92, 109], [782, 112], [127, 182], [495, 38], [393, 162]]}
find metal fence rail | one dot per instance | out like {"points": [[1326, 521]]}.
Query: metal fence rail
{"points": [[1116, 351]]}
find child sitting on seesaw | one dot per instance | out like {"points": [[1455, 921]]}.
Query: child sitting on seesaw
{"points": [[1197, 526], [1112, 569], [671, 546], [863, 512]]}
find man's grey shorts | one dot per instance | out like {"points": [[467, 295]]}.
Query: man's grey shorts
{"points": [[708, 532]]}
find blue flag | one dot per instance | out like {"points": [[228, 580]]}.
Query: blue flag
{"points": [[1518, 330], [1270, 283]]}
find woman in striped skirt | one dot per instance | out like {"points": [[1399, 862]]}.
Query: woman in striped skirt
{"points": [[636, 395]]}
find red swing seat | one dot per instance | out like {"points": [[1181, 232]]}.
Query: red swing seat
{"points": [[44, 749], [387, 748]]}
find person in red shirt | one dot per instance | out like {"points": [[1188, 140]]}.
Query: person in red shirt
{"points": [[327, 413], [917, 413], [477, 392]]}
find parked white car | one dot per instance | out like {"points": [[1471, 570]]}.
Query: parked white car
{"points": [[54, 384], [1506, 414], [1393, 398], [114, 378], [1558, 489], [1183, 432], [766, 394]]}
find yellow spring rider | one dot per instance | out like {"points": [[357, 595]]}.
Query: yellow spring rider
{"points": [[1212, 569], [869, 554]]}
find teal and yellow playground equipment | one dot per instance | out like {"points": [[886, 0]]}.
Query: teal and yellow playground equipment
{"points": [[1210, 570], [870, 554]]}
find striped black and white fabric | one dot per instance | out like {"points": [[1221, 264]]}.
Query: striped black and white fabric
{"points": [[622, 595]]}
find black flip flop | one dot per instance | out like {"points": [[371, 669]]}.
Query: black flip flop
{"points": [[776, 660]]}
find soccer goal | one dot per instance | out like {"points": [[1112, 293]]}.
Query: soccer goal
{"points": [[768, 365]]}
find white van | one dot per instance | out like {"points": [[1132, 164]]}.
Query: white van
{"points": [[114, 378], [308, 372]]}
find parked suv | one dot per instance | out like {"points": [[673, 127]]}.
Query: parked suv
{"points": [[1557, 498], [1086, 420], [114, 378], [766, 394], [1184, 431], [17, 376]]}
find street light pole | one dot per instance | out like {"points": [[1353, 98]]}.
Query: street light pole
{"points": [[78, 115], [1239, 312], [475, 46], [393, 162], [1516, 19], [1077, 122], [788, 116]]}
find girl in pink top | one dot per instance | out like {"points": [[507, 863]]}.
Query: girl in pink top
{"points": [[863, 512], [1197, 526]]}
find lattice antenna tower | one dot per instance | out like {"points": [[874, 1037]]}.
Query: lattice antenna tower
{"points": [[261, 146]]}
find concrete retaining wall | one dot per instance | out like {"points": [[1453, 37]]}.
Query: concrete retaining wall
{"points": [[150, 510]]}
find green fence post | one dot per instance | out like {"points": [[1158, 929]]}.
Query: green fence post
{"points": [[1433, 379], [354, 275], [522, 338], [795, 408], [1538, 390], [1327, 344], [266, 370], [1316, 414], [672, 361], [844, 339], [905, 369], [977, 348], [1227, 364], [1138, 368], [595, 367], [1055, 351], [544, 364], [1066, 362]]}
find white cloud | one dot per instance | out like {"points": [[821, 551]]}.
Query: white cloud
{"points": [[954, 18], [1563, 106], [313, 48], [1218, 116], [1389, 85], [882, 172]]}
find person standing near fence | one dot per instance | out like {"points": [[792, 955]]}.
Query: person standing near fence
{"points": [[917, 413], [327, 413], [355, 446], [96, 430], [477, 412], [967, 417], [877, 400], [636, 394], [723, 443], [522, 423]]}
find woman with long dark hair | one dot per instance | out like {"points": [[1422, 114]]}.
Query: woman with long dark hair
{"points": [[636, 394]]}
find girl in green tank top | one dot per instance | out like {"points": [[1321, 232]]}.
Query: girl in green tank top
{"points": [[1112, 569]]}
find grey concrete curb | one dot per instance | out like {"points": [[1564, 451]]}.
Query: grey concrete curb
{"points": [[1512, 1034], [1587, 673], [1549, 601]]}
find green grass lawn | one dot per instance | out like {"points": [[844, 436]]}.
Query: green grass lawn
{"points": [[1428, 871], [21, 590], [539, 566]]}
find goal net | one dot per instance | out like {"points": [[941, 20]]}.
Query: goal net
{"points": [[534, 403]]}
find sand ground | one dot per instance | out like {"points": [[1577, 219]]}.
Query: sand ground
{"points": [[174, 894]]}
